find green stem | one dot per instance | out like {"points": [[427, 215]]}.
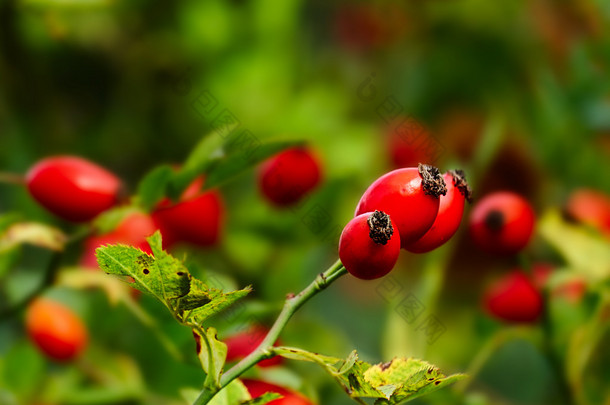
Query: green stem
{"points": [[263, 351]]}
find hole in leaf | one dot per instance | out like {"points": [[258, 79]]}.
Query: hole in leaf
{"points": [[180, 273], [145, 271]]}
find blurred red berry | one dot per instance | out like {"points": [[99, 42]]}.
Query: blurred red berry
{"points": [[590, 207], [410, 196], [514, 298], [288, 176], [449, 215], [369, 245], [197, 218], [502, 223], [258, 388], [73, 188], [55, 329], [242, 344], [133, 231]]}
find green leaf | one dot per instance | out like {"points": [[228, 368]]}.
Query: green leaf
{"points": [[583, 250], [212, 354], [153, 187], [235, 393], [399, 380], [33, 233], [201, 158], [234, 164], [160, 275], [202, 301]]}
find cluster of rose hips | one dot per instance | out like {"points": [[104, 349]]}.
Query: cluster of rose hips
{"points": [[77, 190], [415, 208]]}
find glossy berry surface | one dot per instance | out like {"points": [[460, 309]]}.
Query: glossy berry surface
{"points": [[73, 188], [256, 388], [288, 176], [55, 330], [590, 207], [514, 298], [502, 223], [132, 230], [197, 218], [369, 246], [242, 344], [410, 196], [449, 215]]}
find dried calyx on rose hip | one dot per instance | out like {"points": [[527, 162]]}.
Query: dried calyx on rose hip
{"points": [[369, 245], [449, 214], [410, 196], [502, 223], [73, 188]]}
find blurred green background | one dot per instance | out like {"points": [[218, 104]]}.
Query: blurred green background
{"points": [[515, 92]]}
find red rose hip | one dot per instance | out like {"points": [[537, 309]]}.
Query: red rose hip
{"points": [[73, 188], [55, 329], [449, 215], [410, 196], [256, 388], [369, 246], [514, 298], [197, 218], [133, 231], [590, 207], [502, 223], [288, 176], [242, 344]]}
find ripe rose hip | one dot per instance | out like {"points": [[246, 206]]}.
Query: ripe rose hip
{"points": [[288, 176], [242, 344], [410, 196], [132, 231], [197, 218], [502, 223], [72, 188], [514, 298], [55, 329], [590, 207], [256, 388], [449, 213], [369, 246]]}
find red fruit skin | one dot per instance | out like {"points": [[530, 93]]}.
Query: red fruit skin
{"points": [[198, 217], [73, 188], [514, 298], [399, 194], [256, 388], [242, 344], [447, 221], [288, 176], [55, 330], [590, 207], [132, 231], [362, 257], [514, 234]]}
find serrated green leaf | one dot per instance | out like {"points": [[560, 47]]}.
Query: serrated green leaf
{"points": [[160, 275], [212, 354], [153, 187], [218, 302], [399, 380], [585, 252], [234, 164], [33, 233]]}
